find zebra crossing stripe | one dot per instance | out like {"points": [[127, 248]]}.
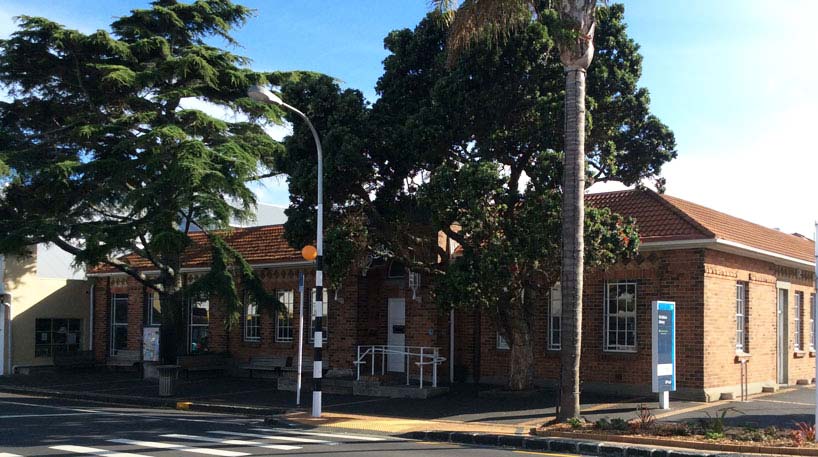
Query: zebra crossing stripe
{"points": [[207, 439], [326, 435], [92, 451], [293, 439], [180, 447]]}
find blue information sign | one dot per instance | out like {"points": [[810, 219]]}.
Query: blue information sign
{"points": [[664, 346]]}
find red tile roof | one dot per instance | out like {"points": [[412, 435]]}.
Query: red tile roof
{"points": [[666, 218], [258, 245]]}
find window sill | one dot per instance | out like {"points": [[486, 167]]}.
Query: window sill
{"points": [[799, 354], [812, 353], [251, 343], [620, 351], [742, 356]]}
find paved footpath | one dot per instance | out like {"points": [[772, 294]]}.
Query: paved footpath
{"points": [[32, 425]]}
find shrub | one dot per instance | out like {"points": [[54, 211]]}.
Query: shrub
{"points": [[714, 435], [575, 422], [715, 422], [804, 432], [645, 420]]}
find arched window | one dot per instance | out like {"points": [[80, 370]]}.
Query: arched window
{"points": [[396, 270]]}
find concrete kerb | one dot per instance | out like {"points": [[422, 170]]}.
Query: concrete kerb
{"points": [[556, 445], [181, 405]]}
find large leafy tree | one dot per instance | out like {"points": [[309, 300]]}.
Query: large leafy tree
{"points": [[573, 23], [474, 149], [103, 157]]}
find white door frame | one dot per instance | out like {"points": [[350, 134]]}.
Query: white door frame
{"points": [[396, 333], [782, 334]]}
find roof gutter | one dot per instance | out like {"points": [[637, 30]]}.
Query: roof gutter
{"points": [[731, 247], [256, 266]]}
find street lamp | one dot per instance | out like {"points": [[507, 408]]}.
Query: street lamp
{"points": [[264, 95]]}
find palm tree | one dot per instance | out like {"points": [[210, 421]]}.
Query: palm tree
{"points": [[474, 19]]}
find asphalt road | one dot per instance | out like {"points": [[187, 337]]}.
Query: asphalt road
{"points": [[44, 426]]}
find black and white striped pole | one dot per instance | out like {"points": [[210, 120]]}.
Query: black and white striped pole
{"points": [[264, 95]]}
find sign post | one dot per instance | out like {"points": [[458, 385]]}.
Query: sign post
{"points": [[300, 336], [664, 350]]}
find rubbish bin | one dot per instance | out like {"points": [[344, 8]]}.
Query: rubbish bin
{"points": [[167, 379]]}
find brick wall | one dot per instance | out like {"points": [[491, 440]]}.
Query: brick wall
{"points": [[667, 275], [722, 271]]}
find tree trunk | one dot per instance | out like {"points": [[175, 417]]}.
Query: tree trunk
{"points": [[521, 363], [573, 211], [172, 334]]}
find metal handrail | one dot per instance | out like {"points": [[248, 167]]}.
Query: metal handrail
{"points": [[427, 355]]}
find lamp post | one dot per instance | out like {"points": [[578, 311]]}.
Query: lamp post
{"points": [[264, 95]]}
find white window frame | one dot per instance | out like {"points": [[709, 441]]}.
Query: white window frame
{"points": [[741, 316], [812, 322], [621, 317], [502, 344], [252, 320], [115, 298], [284, 327], [152, 297], [798, 335], [191, 304], [555, 319], [324, 316]]}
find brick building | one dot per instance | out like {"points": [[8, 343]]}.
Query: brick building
{"points": [[743, 292]]}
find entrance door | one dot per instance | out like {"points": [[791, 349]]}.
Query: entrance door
{"points": [[396, 334], [782, 346]]}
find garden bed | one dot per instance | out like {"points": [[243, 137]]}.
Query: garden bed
{"points": [[705, 434]]}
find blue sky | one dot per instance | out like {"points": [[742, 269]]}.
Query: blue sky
{"points": [[734, 79]]}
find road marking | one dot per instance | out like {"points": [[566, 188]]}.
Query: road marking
{"points": [[271, 437], [327, 435], [6, 454], [179, 447], [207, 439], [788, 402], [18, 416], [93, 451]]}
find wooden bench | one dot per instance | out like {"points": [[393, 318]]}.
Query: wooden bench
{"points": [[292, 365], [203, 362], [265, 363], [77, 359], [124, 358]]}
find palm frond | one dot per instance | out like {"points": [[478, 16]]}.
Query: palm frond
{"points": [[491, 20]]}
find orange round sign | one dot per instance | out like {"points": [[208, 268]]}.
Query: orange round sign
{"points": [[309, 252]]}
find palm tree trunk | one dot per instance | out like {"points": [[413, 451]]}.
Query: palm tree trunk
{"points": [[573, 211]]}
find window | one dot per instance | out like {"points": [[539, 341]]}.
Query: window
{"points": [[799, 319], [501, 342], [396, 270], [154, 308], [252, 327], [620, 316], [741, 317], [812, 322], [119, 322], [555, 319], [323, 314], [284, 319], [199, 323], [56, 335]]}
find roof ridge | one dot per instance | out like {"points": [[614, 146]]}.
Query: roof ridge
{"points": [[679, 212], [764, 227]]}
